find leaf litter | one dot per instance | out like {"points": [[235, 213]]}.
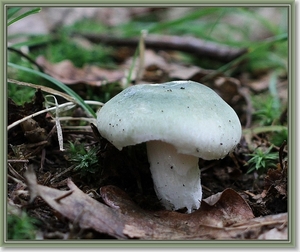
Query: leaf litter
{"points": [[223, 216], [67, 73]]}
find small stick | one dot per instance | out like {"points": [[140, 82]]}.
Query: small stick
{"points": [[196, 46], [17, 160], [281, 153], [63, 196]]}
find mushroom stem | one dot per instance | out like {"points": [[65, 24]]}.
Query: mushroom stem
{"points": [[176, 176]]}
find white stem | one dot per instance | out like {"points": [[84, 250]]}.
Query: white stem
{"points": [[176, 176]]}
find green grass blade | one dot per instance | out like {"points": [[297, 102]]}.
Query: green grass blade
{"points": [[65, 88], [189, 17], [273, 91], [255, 49], [259, 17], [30, 12], [35, 41], [263, 129], [12, 11]]}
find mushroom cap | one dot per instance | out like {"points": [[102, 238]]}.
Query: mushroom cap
{"points": [[186, 114]]}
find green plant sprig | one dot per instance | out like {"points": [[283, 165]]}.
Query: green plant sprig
{"points": [[262, 160], [85, 161], [21, 226]]}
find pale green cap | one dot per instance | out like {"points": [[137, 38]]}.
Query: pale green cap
{"points": [[186, 114]]}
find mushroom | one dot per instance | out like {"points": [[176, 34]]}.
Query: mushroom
{"points": [[180, 121]]}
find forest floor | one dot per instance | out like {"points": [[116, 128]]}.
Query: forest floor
{"points": [[91, 190]]}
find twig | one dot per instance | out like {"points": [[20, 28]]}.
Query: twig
{"points": [[281, 154], [15, 173], [43, 88], [58, 199], [142, 49], [64, 105], [262, 129], [38, 113], [55, 177], [245, 93], [69, 118], [82, 128], [17, 160], [58, 125], [196, 46]]}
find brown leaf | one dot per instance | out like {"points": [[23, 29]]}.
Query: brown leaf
{"points": [[181, 72], [154, 67], [78, 207], [262, 227], [32, 131], [220, 210], [66, 72], [261, 84], [226, 216], [158, 68], [228, 88], [223, 216]]}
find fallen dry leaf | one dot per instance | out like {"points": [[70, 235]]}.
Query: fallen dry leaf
{"points": [[78, 207], [227, 88], [158, 68], [153, 68], [66, 72], [182, 72], [259, 85], [262, 227], [225, 216]]}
